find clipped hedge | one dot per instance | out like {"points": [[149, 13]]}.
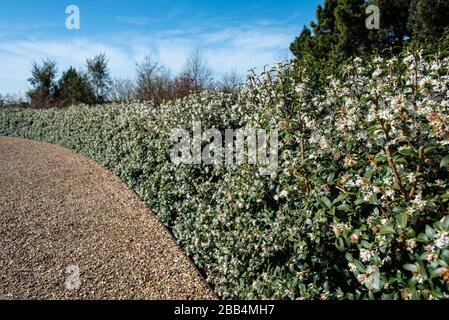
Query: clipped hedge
{"points": [[357, 210]]}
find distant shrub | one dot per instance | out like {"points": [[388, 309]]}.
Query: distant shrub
{"points": [[357, 210]]}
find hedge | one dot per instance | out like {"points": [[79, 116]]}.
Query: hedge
{"points": [[357, 210]]}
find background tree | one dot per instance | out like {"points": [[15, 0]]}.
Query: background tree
{"points": [[99, 77], [394, 28], [43, 82], [230, 82], [153, 81], [74, 87], [429, 19], [340, 30], [12, 100], [351, 33], [122, 90], [197, 72]]}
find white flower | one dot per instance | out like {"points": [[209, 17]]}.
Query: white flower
{"points": [[283, 194], [442, 240], [411, 244], [377, 73], [390, 194], [352, 267], [361, 278], [398, 102], [366, 255], [419, 278], [378, 60], [419, 202]]}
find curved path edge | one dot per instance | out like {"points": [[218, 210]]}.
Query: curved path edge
{"points": [[70, 229]]}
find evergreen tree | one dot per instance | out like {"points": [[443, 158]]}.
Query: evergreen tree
{"points": [[43, 82], [394, 30], [75, 88], [350, 28], [325, 30], [429, 19], [303, 44], [99, 77], [340, 30]]}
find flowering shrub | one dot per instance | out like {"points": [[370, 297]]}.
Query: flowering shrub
{"points": [[357, 210]]}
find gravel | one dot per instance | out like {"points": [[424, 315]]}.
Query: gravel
{"points": [[60, 213]]}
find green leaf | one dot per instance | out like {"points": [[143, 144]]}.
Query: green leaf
{"points": [[340, 245], [445, 162], [428, 149], [436, 273], [349, 257], [445, 256], [385, 230], [343, 207], [430, 233], [325, 203], [411, 267], [402, 219], [398, 210], [407, 152], [445, 223], [445, 197], [359, 265], [422, 238], [369, 172]]}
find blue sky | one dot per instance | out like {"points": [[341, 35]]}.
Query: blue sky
{"points": [[232, 35]]}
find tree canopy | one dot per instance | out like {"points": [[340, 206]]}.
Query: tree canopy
{"points": [[340, 30]]}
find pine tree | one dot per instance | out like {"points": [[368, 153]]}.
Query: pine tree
{"points": [[74, 88], [429, 19], [340, 30], [394, 32], [350, 29], [303, 45]]}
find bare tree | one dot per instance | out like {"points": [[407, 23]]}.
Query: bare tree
{"points": [[12, 101], [230, 82], [153, 81], [122, 90], [197, 71]]}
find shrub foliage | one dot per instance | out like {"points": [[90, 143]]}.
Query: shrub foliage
{"points": [[357, 210]]}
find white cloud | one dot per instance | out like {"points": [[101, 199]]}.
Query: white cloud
{"points": [[237, 48], [17, 56]]}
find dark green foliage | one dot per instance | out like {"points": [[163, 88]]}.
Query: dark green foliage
{"points": [[429, 19], [394, 28], [350, 28], [43, 81], [75, 88], [340, 31], [99, 77]]}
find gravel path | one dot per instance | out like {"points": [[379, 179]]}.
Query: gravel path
{"points": [[60, 212]]}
